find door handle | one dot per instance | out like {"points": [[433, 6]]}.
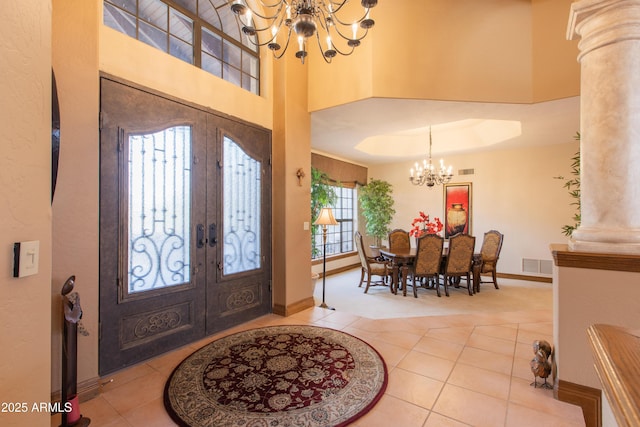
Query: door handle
{"points": [[213, 235], [200, 239]]}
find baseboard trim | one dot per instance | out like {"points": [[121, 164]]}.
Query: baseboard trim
{"points": [[525, 277], [296, 307], [588, 398], [86, 390]]}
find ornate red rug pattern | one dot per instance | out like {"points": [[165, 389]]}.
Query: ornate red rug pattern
{"points": [[277, 376]]}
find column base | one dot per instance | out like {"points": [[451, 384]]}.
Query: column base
{"points": [[609, 241]]}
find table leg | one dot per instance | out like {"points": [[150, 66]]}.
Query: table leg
{"points": [[404, 280], [394, 280]]}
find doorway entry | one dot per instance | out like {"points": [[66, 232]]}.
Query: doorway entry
{"points": [[185, 223]]}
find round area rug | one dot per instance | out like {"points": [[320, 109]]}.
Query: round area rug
{"points": [[277, 376]]}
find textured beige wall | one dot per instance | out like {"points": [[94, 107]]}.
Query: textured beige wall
{"points": [[291, 150], [75, 207], [490, 51], [583, 297], [25, 207]]}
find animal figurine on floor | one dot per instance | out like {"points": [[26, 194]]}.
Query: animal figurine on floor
{"points": [[540, 364]]}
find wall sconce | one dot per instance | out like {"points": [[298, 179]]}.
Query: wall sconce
{"points": [[300, 175]]}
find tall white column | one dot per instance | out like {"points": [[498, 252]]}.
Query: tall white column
{"points": [[610, 125]]}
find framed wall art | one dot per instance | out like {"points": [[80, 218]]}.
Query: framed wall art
{"points": [[457, 208]]}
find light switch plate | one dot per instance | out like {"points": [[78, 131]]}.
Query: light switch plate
{"points": [[25, 258]]}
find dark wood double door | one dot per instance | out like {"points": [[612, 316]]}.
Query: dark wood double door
{"points": [[185, 224]]}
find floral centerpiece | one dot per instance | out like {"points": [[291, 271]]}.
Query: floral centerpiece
{"points": [[423, 225]]}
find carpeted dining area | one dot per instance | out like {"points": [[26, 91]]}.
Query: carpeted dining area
{"points": [[457, 361]]}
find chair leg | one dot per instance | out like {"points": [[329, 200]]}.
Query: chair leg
{"points": [[495, 282], [469, 288], [446, 285], [436, 280], [361, 276], [366, 289]]}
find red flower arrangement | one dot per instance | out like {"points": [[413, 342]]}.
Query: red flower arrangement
{"points": [[422, 225]]}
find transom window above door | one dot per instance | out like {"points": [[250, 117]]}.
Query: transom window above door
{"points": [[204, 33]]}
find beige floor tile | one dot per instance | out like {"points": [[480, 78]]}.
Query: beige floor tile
{"points": [[391, 411], [427, 365], [520, 416], [151, 414], [120, 378], [101, 411], [471, 407], [458, 335], [528, 337], [481, 380], [136, 393], [486, 360], [413, 388], [439, 348], [392, 354], [401, 339], [495, 345], [506, 332], [539, 399], [437, 420]]}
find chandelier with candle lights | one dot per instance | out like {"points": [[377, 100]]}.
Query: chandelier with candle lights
{"points": [[426, 174], [272, 22]]}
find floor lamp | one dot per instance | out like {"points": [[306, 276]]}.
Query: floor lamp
{"points": [[325, 218]]}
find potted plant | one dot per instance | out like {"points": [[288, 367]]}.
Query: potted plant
{"points": [[377, 209], [322, 195], [573, 187]]}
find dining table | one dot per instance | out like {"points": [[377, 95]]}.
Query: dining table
{"points": [[402, 259]]}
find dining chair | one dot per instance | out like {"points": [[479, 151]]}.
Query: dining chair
{"points": [[489, 254], [399, 240], [427, 264], [459, 260], [370, 266]]}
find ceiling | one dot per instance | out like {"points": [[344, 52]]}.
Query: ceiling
{"points": [[382, 130]]}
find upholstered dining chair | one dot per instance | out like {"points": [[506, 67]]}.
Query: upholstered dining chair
{"points": [[489, 254], [370, 266], [428, 262], [399, 240], [459, 260]]}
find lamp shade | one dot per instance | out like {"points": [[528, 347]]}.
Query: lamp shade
{"points": [[326, 217]]}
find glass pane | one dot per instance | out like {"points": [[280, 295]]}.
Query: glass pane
{"points": [[159, 209], [209, 14], [212, 65], [250, 65], [230, 25], [211, 43], [241, 210], [181, 26], [128, 5], [181, 50], [154, 12], [232, 75], [153, 36], [231, 54], [190, 5], [119, 20]]}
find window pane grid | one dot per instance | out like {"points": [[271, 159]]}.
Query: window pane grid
{"points": [[339, 237], [171, 26]]}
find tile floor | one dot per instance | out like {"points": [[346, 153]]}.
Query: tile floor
{"points": [[468, 369]]}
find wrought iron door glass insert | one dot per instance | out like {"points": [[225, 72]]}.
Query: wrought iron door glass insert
{"points": [[159, 209], [241, 211]]}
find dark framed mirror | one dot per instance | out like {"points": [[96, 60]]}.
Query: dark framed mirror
{"points": [[55, 133]]}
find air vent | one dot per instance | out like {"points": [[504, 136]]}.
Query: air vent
{"points": [[537, 266], [465, 171]]}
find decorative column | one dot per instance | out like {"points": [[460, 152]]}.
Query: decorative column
{"points": [[610, 125]]}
